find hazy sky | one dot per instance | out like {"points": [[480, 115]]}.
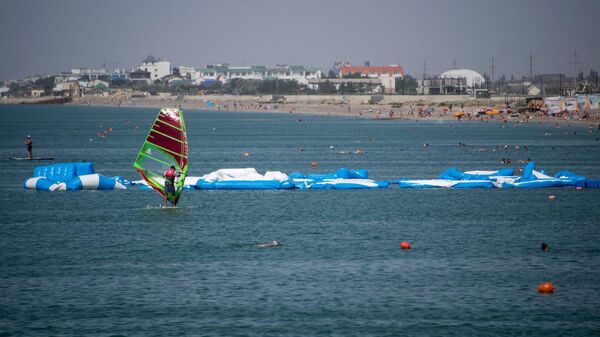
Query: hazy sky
{"points": [[45, 37]]}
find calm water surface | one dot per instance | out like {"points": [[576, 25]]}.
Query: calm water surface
{"points": [[95, 263]]}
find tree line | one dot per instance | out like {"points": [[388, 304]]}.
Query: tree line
{"points": [[238, 86]]}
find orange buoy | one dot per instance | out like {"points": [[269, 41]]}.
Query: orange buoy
{"points": [[313, 164], [552, 197], [546, 288], [405, 245]]}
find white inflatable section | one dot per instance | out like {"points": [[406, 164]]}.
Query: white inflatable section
{"points": [[445, 183], [432, 182], [360, 182], [499, 181], [190, 181], [31, 183], [481, 173], [244, 174], [119, 186], [276, 175], [90, 181], [540, 175], [59, 187]]}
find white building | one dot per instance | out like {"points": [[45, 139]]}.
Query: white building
{"points": [[88, 71], [247, 73], [4, 91], [157, 69], [94, 84], [473, 78], [225, 73], [63, 77]]}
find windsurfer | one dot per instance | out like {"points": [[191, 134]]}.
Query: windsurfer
{"points": [[29, 144], [169, 176]]}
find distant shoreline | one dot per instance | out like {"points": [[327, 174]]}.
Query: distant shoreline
{"points": [[326, 105]]}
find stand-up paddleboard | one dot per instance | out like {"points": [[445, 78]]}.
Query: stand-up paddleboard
{"points": [[34, 158], [165, 146]]}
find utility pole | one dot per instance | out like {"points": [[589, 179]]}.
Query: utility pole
{"points": [[492, 84], [575, 63], [560, 84], [454, 63], [424, 77], [530, 67]]}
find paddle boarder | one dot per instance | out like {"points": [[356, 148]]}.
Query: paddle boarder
{"points": [[169, 176], [29, 144]]}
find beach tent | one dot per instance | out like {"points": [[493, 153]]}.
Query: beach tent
{"points": [[554, 105], [571, 104], [595, 101]]}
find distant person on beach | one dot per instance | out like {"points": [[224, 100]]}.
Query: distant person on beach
{"points": [[29, 144]]}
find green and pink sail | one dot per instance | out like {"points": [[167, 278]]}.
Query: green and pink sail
{"points": [[165, 146]]}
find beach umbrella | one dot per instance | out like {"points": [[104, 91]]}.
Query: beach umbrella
{"points": [[459, 113]]}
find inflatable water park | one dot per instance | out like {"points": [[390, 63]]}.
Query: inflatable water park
{"points": [[71, 177], [162, 163], [81, 176]]}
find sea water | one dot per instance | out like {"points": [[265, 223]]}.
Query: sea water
{"points": [[101, 263]]}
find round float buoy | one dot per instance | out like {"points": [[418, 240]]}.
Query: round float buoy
{"points": [[552, 197], [578, 188], [246, 154], [313, 164], [546, 288], [405, 245]]}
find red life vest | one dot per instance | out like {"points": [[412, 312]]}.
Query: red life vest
{"points": [[170, 173]]}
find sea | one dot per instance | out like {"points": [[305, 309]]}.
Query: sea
{"points": [[112, 263]]}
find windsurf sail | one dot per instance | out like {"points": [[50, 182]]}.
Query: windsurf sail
{"points": [[165, 146]]}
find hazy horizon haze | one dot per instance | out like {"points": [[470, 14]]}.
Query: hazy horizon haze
{"points": [[47, 37]]}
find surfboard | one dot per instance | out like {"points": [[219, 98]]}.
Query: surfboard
{"points": [[34, 158]]}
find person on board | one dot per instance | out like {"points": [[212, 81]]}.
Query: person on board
{"points": [[169, 176], [29, 144]]}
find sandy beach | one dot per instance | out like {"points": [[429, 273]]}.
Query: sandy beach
{"points": [[391, 107]]}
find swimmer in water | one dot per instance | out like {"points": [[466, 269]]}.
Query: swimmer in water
{"points": [[545, 247], [273, 243]]}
